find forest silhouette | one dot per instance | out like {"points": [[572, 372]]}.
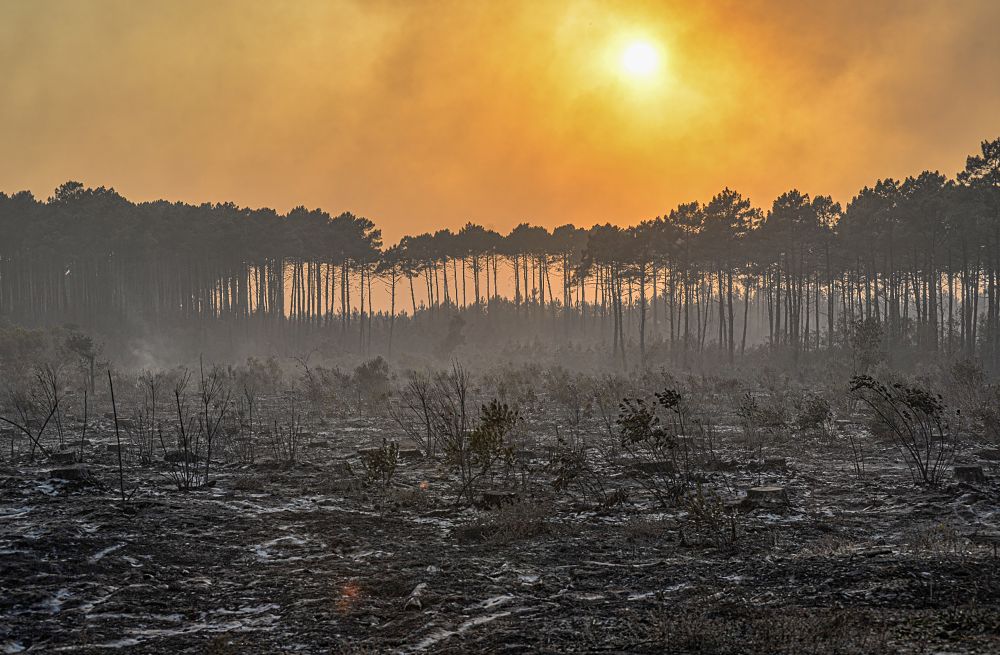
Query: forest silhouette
{"points": [[917, 260]]}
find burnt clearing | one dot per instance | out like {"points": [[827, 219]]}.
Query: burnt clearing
{"points": [[312, 556]]}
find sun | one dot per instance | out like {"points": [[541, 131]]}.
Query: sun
{"points": [[640, 59]]}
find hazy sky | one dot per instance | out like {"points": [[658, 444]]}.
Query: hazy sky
{"points": [[422, 115]]}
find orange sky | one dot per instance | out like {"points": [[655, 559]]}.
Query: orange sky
{"points": [[426, 115]]}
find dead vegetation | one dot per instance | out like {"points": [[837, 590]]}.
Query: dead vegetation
{"points": [[458, 511]]}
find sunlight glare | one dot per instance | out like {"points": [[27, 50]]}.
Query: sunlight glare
{"points": [[640, 59]]}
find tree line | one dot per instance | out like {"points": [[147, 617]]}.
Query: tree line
{"points": [[919, 258]]}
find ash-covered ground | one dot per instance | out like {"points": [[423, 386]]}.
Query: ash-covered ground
{"points": [[571, 543]]}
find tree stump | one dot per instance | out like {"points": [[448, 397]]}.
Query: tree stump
{"points": [[990, 539], [179, 456], [495, 499], [971, 474], [654, 467], [767, 496], [71, 473], [341, 469], [63, 457], [344, 485], [409, 454]]}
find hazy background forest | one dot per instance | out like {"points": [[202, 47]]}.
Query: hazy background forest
{"points": [[907, 271]]}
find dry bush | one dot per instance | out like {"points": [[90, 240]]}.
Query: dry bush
{"points": [[573, 396], [709, 521], [812, 412], [914, 419], [414, 410], [509, 523], [371, 385], [576, 473], [249, 482], [644, 528], [379, 464], [515, 386], [938, 538], [744, 630], [648, 434]]}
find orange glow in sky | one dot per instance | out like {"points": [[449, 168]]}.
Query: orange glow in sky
{"points": [[422, 115]]}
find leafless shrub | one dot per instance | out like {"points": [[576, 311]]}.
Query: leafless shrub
{"points": [[857, 454], [977, 400], [285, 437], [515, 386], [248, 482], [214, 395], [576, 473], [183, 472], [573, 396], [142, 427], [644, 528], [938, 538], [708, 520], [414, 411], [912, 418], [50, 393], [323, 388], [29, 414], [243, 427], [510, 523], [452, 420]]}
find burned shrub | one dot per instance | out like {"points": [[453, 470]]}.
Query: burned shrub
{"points": [[488, 443], [142, 422], [324, 388], [573, 396], [813, 412], [285, 438], [865, 339], [574, 473], [650, 446], [508, 523], [379, 463], [414, 410], [515, 386], [914, 419], [978, 400], [708, 520], [371, 385]]}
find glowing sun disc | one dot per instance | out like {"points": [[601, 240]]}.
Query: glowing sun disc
{"points": [[640, 59]]}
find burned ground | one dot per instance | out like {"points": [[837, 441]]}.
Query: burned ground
{"points": [[306, 557]]}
